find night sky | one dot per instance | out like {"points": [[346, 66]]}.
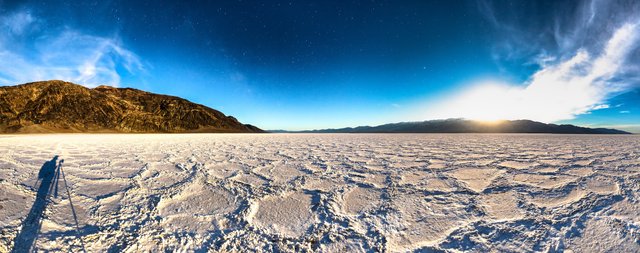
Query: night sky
{"points": [[320, 64]]}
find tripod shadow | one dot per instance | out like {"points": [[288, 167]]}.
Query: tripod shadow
{"points": [[31, 226]]}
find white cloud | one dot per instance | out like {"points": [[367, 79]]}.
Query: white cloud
{"points": [[556, 92], [625, 111], [17, 23], [632, 128], [600, 107], [65, 54]]}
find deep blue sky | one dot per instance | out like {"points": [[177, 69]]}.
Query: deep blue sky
{"points": [[318, 64]]}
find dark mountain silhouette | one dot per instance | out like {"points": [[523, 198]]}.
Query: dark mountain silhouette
{"points": [[58, 106], [470, 126]]}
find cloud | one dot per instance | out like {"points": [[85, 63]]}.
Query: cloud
{"points": [[600, 107], [573, 81], [625, 111], [28, 54], [556, 92], [17, 23]]}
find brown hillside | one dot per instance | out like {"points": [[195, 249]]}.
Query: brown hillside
{"points": [[58, 106]]}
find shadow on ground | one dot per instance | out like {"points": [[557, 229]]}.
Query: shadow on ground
{"points": [[47, 185]]}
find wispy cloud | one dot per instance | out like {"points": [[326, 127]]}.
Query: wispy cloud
{"points": [[17, 23], [30, 53], [574, 81], [600, 107]]}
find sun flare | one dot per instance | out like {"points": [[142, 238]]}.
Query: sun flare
{"points": [[559, 91]]}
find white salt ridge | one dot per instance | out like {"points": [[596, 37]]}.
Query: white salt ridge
{"points": [[326, 192]]}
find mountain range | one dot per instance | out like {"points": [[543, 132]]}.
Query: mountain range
{"points": [[58, 106], [63, 107], [469, 126]]}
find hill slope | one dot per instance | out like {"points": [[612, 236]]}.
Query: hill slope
{"points": [[58, 106], [470, 126]]}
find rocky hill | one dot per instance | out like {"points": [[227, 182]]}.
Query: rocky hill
{"points": [[58, 106], [471, 126]]}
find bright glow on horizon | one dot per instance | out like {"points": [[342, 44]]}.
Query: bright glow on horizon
{"points": [[316, 64], [556, 92]]}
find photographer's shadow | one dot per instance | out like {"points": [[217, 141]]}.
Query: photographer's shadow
{"points": [[31, 225], [47, 185]]}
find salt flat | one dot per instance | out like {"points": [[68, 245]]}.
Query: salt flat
{"points": [[320, 193]]}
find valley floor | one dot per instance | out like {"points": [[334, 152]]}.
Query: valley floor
{"points": [[319, 192]]}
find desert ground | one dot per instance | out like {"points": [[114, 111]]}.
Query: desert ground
{"points": [[319, 193]]}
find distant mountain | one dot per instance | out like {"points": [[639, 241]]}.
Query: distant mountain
{"points": [[470, 126], [58, 106]]}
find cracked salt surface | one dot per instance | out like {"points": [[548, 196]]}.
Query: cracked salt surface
{"points": [[322, 193]]}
